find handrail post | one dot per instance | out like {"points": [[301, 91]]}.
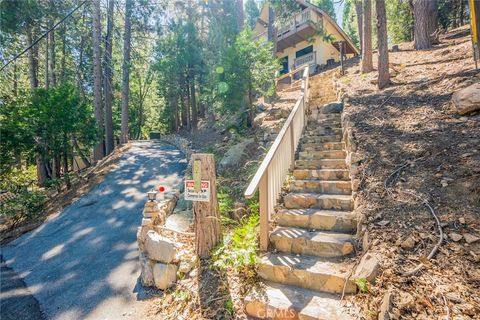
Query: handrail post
{"points": [[264, 212]]}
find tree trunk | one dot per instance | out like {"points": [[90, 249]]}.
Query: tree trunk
{"points": [[367, 63], [109, 142], [51, 42], [420, 13], [432, 16], [47, 64], [359, 11], [126, 72], [64, 52], [98, 152], [193, 100], [32, 68], [187, 104], [382, 39], [184, 110], [207, 214], [240, 15]]}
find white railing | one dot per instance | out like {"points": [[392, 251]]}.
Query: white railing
{"points": [[298, 19], [279, 160], [310, 58]]}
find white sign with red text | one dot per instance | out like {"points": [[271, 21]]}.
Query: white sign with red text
{"points": [[202, 195]]}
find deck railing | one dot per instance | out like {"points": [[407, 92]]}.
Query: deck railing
{"points": [[310, 58], [292, 24], [280, 158]]}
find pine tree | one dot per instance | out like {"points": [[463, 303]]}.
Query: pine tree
{"points": [[126, 71], [421, 24], [382, 40], [367, 63], [98, 152]]}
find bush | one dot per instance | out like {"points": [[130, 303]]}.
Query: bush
{"points": [[25, 205]]}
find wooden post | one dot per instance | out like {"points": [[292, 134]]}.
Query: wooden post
{"points": [[264, 212], [206, 214]]}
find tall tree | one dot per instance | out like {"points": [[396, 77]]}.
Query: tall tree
{"points": [[433, 16], [367, 61], [108, 66], [240, 15], [382, 41], [98, 151], [359, 11], [421, 24], [252, 12], [327, 6], [126, 71]]}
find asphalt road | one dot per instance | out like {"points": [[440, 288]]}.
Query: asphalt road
{"points": [[83, 263]]}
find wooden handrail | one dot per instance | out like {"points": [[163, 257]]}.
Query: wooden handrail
{"points": [[279, 160], [291, 73]]}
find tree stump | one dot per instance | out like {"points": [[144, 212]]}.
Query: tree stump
{"points": [[206, 214]]}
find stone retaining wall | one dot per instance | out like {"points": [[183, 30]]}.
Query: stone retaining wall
{"points": [[162, 256]]}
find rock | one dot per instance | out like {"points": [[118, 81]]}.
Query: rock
{"points": [[368, 268], [187, 264], [470, 238], [386, 306], [164, 275], [146, 275], [356, 184], [235, 155], [405, 300], [383, 223], [159, 248], [467, 99], [354, 157], [468, 309], [240, 211], [142, 235], [461, 220], [454, 297], [455, 236], [333, 107], [408, 243]]}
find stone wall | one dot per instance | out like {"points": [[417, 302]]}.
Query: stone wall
{"points": [[180, 142], [163, 257]]}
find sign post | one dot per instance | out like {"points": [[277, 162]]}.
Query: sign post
{"points": [[202, 191], [475, 29]]}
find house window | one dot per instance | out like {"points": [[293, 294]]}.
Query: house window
{"points": [[284, 64], [304, 51]]}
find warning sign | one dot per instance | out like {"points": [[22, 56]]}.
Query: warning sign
{"points": [[202, 195]]}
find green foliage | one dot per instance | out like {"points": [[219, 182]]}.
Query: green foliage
{"points": [[228, 305], [399, 20], [350, 21], [239, 247], [252, 12], [225, 203], [25, 205], [362, 285], [327, 6]]}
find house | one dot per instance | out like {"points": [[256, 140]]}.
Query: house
{"points": [[310, 36]]}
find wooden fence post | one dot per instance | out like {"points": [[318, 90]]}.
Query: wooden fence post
{"points": [[206, 214]]}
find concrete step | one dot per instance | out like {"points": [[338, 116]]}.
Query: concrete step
{"points": [[313, 243], [323, 174], [324, 130], [323, 146], [319, 201], [321, 138], [277, 301], [321, 186], [327, 220], [316, 273], [321, 164], [326, 154]]}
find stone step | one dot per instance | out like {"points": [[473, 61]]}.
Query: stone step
{"points": [[313, 243], [319, 201], [332, 107], [327, 220], [323, 174], [323, 146], [325, 154], [321, 164], [321, 186], [321, 138], [283, 302], [331, 123], [316, 273], [325, 116], [324, 130]]}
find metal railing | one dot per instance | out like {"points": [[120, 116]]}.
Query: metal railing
{"points": [[310, 58], [278, 162]]}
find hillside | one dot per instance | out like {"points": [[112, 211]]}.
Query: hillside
{"points": [[417, 148]]}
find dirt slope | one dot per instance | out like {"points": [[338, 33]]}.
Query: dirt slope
{"points": [[417, 148]]}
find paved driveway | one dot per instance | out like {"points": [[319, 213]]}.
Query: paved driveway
{"points": [[82, 264]]}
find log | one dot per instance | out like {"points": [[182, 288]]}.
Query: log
{"points": [[206, 214]]}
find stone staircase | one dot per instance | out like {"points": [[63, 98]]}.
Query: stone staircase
{"points": [[311, 247]]}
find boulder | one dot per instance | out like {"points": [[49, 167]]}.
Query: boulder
{"points": [[467, 99], [368, 268], [159, 248], [146, 275], [235, 154], [333, 107], [164, 275], [142, 235]]}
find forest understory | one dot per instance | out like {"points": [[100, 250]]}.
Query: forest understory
{"points": [[419, 149]]}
